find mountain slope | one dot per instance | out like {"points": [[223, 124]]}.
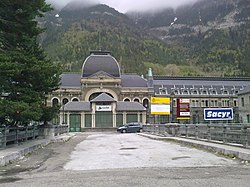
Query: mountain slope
{"points": [[73, 33], [214, 32], [210, 38]]}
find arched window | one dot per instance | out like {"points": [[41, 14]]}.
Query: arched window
{"points": [[75, 99], [55, 102], [127, 100], [65, 100], [145, 103], [136, 100]]}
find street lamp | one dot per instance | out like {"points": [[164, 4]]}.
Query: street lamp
{"points": [[63, 115], [64, 102], [172, 94]]}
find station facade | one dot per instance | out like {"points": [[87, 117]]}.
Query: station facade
{"points": [[102, 97], [244, 105]]}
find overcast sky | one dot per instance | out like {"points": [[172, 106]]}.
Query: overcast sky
{"points": [[126, 5]]}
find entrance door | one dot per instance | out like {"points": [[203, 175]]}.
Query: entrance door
{"points": [[103, 119], [75, 122], [119, 119], [132, 118], [88, 120]]}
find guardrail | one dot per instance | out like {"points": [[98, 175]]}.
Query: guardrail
{"points": [[225, 133], [15, 135], [51, 130]]}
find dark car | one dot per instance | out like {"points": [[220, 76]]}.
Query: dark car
{"points": [[130, 127]]}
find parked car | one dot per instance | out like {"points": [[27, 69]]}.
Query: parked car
{"points": [[130, 127]]}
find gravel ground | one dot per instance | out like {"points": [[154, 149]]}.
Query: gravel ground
{"points": [[75, 163]]}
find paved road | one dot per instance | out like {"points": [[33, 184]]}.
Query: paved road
{"points": [[111, 159], [109, 151]]}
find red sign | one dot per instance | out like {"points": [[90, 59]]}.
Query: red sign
{"points": [[183, 109]]}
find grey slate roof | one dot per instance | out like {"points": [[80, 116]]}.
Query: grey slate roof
{"points": [[77, 106], [219, 84], [133, 80], [71, 80], [130, 106], [95, 63], [103, 98], [85, 106], [245, 91]]}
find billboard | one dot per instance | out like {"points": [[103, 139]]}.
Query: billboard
{"points": [[183, 109], [160, 106], [218, 114]]}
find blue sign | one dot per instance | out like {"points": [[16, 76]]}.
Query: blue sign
{"points": [[218, 114]]}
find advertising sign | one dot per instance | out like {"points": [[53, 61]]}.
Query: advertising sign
{"points": [[102, 108], [160, 100], [183, 109], [218, 114], [160, 106]]}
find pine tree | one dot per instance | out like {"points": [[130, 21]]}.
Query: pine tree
{"points": [[26, 74]]}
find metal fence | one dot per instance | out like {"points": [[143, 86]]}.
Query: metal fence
{"points": [[238, 134], [51, 130], [16, 135]]}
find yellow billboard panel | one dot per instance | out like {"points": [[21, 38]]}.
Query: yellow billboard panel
{"points": [[160, 109], [160, 100]]}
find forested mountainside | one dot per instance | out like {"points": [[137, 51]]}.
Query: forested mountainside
{"points": [[210, 37], [71, 36], [214, 33]]}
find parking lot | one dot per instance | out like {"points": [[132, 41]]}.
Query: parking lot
{"points": [[109, 151], [122, 159]]}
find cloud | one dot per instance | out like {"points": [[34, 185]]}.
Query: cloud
{"points": [[128, 5], [61, 3], [142, 5]]}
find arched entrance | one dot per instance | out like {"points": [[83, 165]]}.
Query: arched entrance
{"points": [[97, 91], [94, 95], [103, 109]]}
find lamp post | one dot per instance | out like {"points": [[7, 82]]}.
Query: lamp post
{"points": [[172, 107], [63, 115], [64, 102]]}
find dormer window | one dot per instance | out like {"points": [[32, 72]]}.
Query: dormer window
{"points": [[236, 92], [225, 92], [185, 92], [175, 91], [204, 92], [162, 91], [195, 92], [213, 92]]}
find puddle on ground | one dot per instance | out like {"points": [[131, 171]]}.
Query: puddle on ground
{"points": [[181, 157], [128, 148], [9, 179], [125, 154]]}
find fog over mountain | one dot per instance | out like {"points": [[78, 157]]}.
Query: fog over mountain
{"points": [[128, 5], [206, 38]]}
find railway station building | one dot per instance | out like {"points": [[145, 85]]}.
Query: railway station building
{"points": [[102, 97]]}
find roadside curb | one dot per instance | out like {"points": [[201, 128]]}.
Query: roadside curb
{"points": [[12, 154], [227, 150]]}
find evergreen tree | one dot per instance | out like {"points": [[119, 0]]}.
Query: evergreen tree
{"points": [[26, 74]]}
